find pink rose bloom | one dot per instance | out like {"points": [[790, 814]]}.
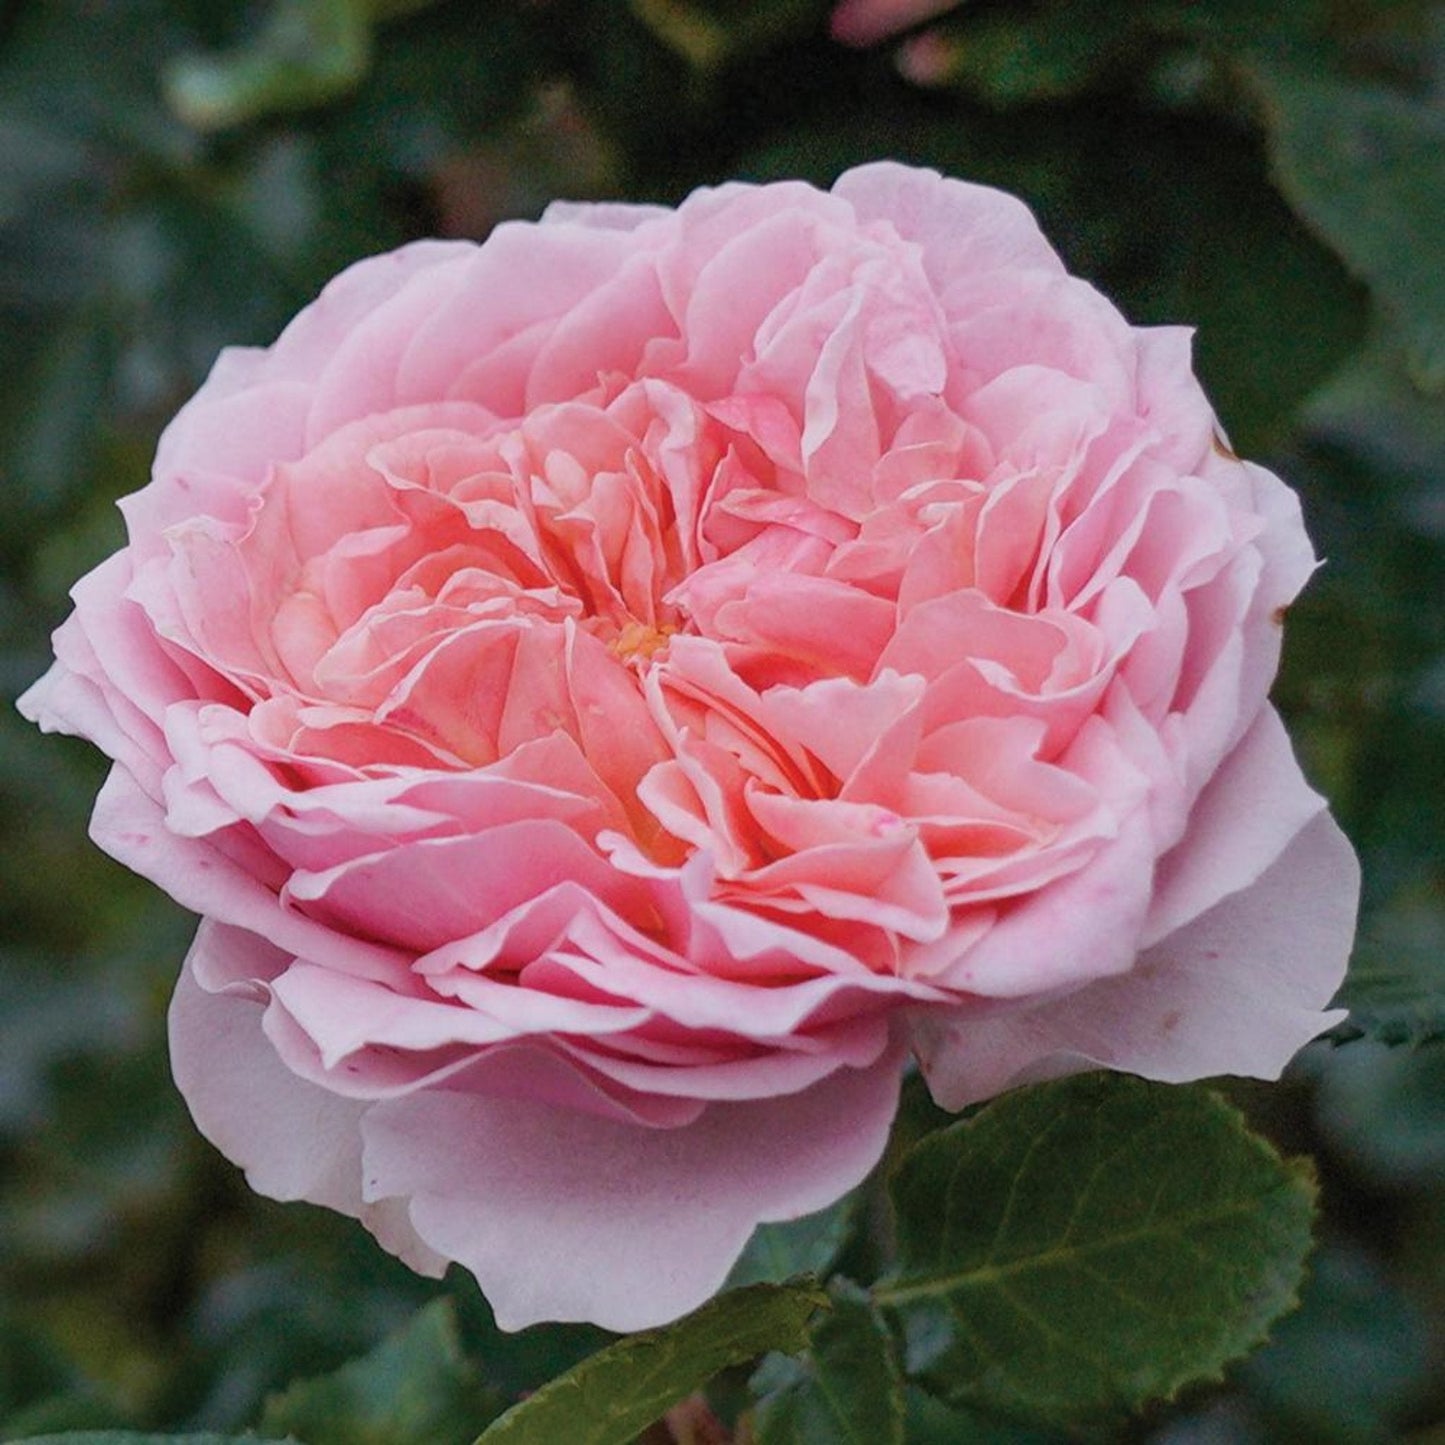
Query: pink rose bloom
{"points": [[615, 691]]}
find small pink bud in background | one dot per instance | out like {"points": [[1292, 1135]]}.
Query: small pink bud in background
{"points": [[866, 22]]}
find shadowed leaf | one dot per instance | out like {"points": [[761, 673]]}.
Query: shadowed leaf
{"points": [[416, 1388], [609, 1398], [1083, 1247], [777, 1252], [1366, 168], [846, 1389]]}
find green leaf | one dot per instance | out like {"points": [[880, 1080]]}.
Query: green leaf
{"points": [[1372, 409], [778, 1252], [132, 1437], [1349, 1310], [1082, 1247], [49, 1417], [415, 1388], [847, 1388], [1365, 167], [1395, 989], [1007, 58], [617, 1393], [930, 1422], [1381, 1108], [309, 52]]}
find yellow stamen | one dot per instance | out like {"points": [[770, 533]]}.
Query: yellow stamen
{"points": [[638, 639]]}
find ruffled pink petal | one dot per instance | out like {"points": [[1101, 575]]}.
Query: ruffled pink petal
{"points": [[131, 827], [420, 895], [964, 229], [606, 215], [511, 294], [293, 1139], [1171, 399], [789, 1069], [1099, 909], [733, 291]]}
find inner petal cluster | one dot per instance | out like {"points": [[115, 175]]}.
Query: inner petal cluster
{"points": [[853, 630]]}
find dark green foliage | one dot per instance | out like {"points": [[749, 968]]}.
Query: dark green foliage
{"points": [[777, 1252], [131, 1437], [847, 1387], [1080, 1249], [610, 1397], [1270, 174], [1366, 168], [415, 1387]]}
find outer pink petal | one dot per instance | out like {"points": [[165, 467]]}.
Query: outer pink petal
{"points": [[131, 827], [564, 1217], [965, 229], [1247, 815], [108, 642], [516, 288], [852, 1045], [342, 1016], [1237, 991], [293, 1139], [66, 702], [605, 215], [251, 410], [432, 891], [1170, 397], [1082, 927]]}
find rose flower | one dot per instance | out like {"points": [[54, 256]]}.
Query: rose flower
{"points": [[615, 692]]}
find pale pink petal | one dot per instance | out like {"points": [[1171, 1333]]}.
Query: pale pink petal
{"points": [[649, 1221], [1252, 808], [422, 894], [964, 229], [854, 1044], [1238, 991], [732, 293], [293, 1139], [131, 827], [1170, 396], [608, 215], [342, 1015], [512, 293]]}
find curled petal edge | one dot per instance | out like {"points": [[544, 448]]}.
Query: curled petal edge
{"points": [[1237, 990]]}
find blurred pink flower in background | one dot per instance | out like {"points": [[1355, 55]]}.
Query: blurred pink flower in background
{"points": [[614, 691], [866, 22]]}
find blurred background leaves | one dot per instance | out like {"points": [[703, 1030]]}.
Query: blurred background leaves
{"points": [[179, 175]]}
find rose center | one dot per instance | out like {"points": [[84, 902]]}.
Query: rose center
{"points": [[641, 640]]}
